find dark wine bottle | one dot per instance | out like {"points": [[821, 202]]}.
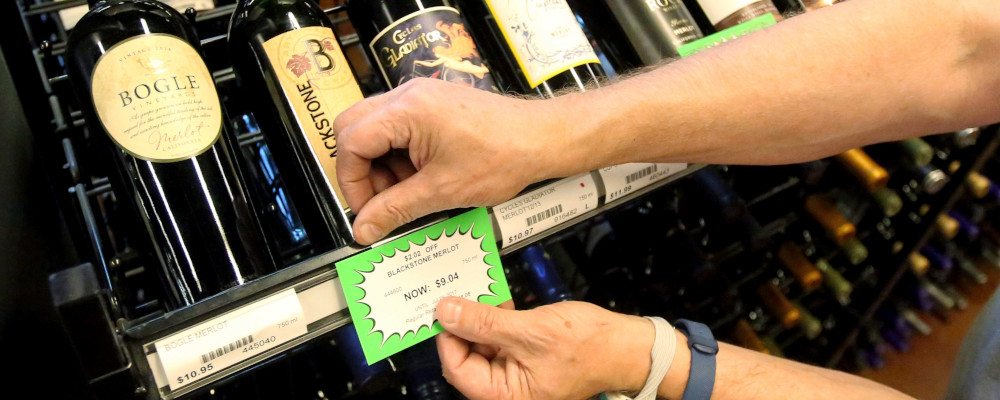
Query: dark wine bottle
{"points": [[544, 276], [422, 373], [725, 207], [286, 54], [641, 32], [729, 13], [534, 47], [408, 39], [368, 379], [136, 70]]}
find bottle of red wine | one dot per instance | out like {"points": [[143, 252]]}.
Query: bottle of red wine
{"points": [[136, 69], [638, 33], [286, 54], [408, 39], [534, 47]]}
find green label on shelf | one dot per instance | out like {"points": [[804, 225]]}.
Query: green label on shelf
{"points": [[720, 37], [392, 290]]}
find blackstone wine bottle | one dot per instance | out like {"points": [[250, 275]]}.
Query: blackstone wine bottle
{"points": [[150, 101], [286, 55]]}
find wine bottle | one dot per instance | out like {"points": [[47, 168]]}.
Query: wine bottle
{"points": [[977, 185], [897, 339], [534, 47], [835, 282], [746, 337], [810, 325], [808, 276], [544, 276], [644, 32], [928, 179], [729, 13], [969, 269], [287, 50], [912, 319], [968, 231], [939, 259], [888, 200], [136, 70], [408, 39], [871, 175], [726, 207], [422, 373], [918, 263], [945, 227], [837, 227], [812, 5], [778, 305], [368, 379], [918, 151]]}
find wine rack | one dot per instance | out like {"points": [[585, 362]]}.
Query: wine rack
{"points": [[109, 302]]}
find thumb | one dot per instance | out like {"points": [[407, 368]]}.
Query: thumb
{"points": [[399, 204], [478, 322]]}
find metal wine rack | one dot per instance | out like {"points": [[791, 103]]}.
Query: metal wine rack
{"points": [[113, 326], [115, 338]]}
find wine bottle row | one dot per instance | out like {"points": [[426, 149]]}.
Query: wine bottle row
{"points": [[202, 178]]}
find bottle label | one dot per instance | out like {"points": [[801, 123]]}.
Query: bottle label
{"points": [[544, 36], [739, 12], [430, 43], [684, 28], [156, 98], [319, 85]]}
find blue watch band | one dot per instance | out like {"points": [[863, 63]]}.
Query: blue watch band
{"points": [[701, 378]]}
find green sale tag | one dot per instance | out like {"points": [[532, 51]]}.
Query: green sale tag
{"points": [[392, 290], [724, 35]]}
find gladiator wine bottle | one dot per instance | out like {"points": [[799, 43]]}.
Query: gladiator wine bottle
{"points": [[286, 54], [408, 39], [729, 13], [151, 102], [535, 47]]}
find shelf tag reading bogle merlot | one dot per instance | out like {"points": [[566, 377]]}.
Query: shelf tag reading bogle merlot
{"points": [[319, 86], [431, 43], [211, 346], [392, 290]]}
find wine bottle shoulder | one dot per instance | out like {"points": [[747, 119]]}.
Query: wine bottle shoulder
{"points": [[264, 19]]}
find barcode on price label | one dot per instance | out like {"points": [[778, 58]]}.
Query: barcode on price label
{"points": [[211, 346], [621, 180], [545, 207], [221, 351], [544, 215]]}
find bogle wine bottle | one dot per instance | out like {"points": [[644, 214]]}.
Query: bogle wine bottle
{"points": [[286, 54], [136, 70]]}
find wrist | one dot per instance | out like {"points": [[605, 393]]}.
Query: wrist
{"points": [[674, 383], [629, 347], [574, 130]]}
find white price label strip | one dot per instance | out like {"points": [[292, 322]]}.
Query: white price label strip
{"points": [[620, 180], [213, 345], [545, 207]]}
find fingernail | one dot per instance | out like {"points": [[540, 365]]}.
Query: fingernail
{"points": [[448, 311], [370, 233]]}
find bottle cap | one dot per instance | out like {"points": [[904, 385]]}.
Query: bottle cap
{"points": [[837, 226], [810, 325], [864, 169], [778, 305], [918, 263], [804, 271], [966, 137], [888, 200], [946, 227], [918, 150], [855, 251], [835, 282], [978, 185]]}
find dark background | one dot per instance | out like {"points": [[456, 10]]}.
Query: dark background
{"points": [[34, 348]]}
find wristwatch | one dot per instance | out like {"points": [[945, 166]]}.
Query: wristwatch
{"points": [[704, 347]]}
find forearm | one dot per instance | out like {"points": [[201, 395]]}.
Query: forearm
{"points": [[747, 375], [861, 72]]}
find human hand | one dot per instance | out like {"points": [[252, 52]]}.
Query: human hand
{"points": [[569, 350], [464, 147]]}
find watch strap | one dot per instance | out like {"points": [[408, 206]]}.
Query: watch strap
{"points": [[704, 347]]}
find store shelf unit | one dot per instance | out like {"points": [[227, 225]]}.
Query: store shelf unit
{"points": [[917, 238]]}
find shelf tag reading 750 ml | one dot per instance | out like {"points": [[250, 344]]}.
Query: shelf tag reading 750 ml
{"points": [[545, 207], [393, 289], [621, 180], [213, 345]]}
